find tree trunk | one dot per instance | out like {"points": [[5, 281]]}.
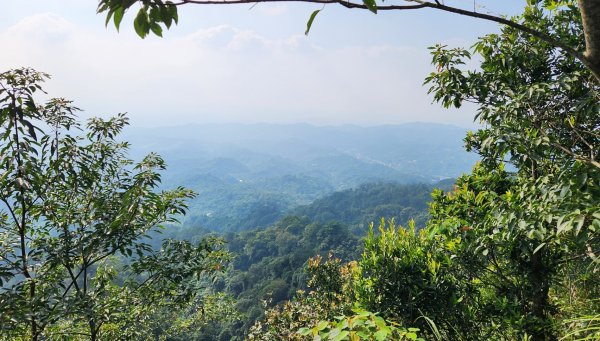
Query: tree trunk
{"points": [[93, 329], [539, 328], [590, 14]]}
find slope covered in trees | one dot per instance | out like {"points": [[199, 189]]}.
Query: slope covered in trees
{"points": [[368, 203], [269, 264], [250, 176]]}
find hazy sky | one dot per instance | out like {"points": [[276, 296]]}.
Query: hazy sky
{"points": [[243, 64]]}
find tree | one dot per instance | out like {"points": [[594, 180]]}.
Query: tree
{"points": [[75, 214], [409, 277], [154, 13], [540, 108]]}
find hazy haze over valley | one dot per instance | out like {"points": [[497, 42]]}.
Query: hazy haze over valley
{"points": [[250, 175]]}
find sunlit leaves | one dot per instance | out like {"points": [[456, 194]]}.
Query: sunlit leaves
{"points": [[363, 325], [540, 110]]}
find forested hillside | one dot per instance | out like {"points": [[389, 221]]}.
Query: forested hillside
{"points": [[249, 176], [368, 203], [269, 264]]}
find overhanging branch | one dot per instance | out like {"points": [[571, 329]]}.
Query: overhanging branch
{"points": [[590, 64]]}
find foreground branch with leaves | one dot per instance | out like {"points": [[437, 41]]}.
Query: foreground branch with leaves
{"points": [[153, 15]]}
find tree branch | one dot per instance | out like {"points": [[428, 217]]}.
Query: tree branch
{"points": [[346, 4], [590, 59]]}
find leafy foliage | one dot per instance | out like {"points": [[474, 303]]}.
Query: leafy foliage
{"points": [[363, 325], [329, 311], [541, 109], [149, 18], [506, 254], [330, 283], [410, 277], [270, 263], [72, 203]]}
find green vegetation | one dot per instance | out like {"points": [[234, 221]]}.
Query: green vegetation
{"points": [[74, 207], [269, 264], [501, 255], [504, 255], [361, 206]]}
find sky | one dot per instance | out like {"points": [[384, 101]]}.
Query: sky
{"points": [[244, 63]]}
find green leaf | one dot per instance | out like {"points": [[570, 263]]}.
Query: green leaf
{"points": [[579, 221], [371, 5], [108, 16], [322, 325], [334, 333], [380, 335], [30, 129], [342, 336], [361, 312], [310, 21], [141, 23], [304, 331], [118, 16], [538, 248], [362, 335], [565, 226], [156, 29], [172, 9], [380, 322]]}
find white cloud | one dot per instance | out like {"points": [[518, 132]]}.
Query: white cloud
{"points": [[42, 27], [222, 73]]}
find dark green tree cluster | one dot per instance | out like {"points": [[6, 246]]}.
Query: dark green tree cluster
{"points": [[269, 264], [541, 110], [359, 207]]}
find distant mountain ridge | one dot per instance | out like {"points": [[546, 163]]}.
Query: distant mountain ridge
{"points": [[243, 171]]}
